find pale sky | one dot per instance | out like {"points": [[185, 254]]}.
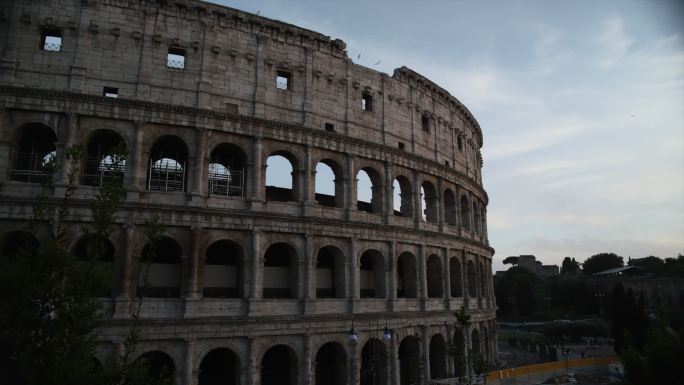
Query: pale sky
{"points": [[581, 104]]}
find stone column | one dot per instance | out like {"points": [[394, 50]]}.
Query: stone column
{"points": [[254, 292], [459, 223], [355, 366], [308, 269], [425, 347], [136, 164], [253, 366], [392, 275], [440, 204], [307, 361], [354, 274], [192, 288], [189, 375], [485, 233], [201, 176], [422, 277], [350, 185], [417, 201], [306, 197], [446, 275], [255, 172], [5, 146], [68, 140], [451, 370], [128, 279], [394, 359], [388, 207]]}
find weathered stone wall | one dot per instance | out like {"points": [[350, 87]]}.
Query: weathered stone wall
{"points": [[227, 94]]}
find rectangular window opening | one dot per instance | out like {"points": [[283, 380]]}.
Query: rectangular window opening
{"points": [[329, 127], [176, 58], [110, 92], [283, 80], [460, 144], [446, 162], [52, 40], [426, 123], [401, 145], [366, 102]]}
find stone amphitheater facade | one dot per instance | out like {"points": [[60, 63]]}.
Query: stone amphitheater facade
{"points": [[254, 284]]}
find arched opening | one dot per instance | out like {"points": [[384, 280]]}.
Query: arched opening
{"points": [[476, 219], [410, 361], [475, 341], [465, 213], [458, 348], [403, 197], [372, 268], [223, 272], [164, 276], [18, 243], [331, 365], [330, 273], [227, 172], [407, 276], [35, 152], [281, 179], [280, 271], [485, 343], [168, 165], [450, 209], [374, 363], [368, 191], [220, 367], [437, 357], [472, 280], [105, 159], [99, 251], [329, 184], [279, 366], [158, 365], [455, 277], [429, 201], [435, 286]]}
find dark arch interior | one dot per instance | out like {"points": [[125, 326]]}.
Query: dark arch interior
{"points": [[164, 269], [168, 165], [331, 368], [16, 243], [92, 247], [449, 208], [407, 278], [158, 365], [465, 213], [472, 280], [36, 146], [220, 367], [372, 274], [455, 277], [223, 270], [227, 170], [374, 363], [409, 361], [434, 277], [280, 272], [475, 341], [330, 273], [106, 158], [437, 357], [279, 366]]}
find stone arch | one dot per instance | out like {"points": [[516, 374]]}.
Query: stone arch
{"points": [[227, 170], [159, 365], [221, 366], [105, 158], [223, 270], [17, 242], [278, 187], [164, 269], [403, 197], [407, 276], [429, 201], [331, 364], [450, 208], [455, 277], [330, 273], [167, 167], [435, 280], [472, 279], [465, 213], [437, 357], [36, 146], [100, 251], [324, 185], [373, 368], [280, 271], [409, 360], [279, 366], [372, 274], [369, 200]]}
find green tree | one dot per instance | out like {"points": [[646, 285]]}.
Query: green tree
{"points": [[600, 262], [659, 362], [569, 266]]}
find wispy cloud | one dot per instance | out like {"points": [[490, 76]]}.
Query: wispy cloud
{"points": [[613, 42]]}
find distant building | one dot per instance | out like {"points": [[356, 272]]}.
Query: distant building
{"points": [[530, 263]]}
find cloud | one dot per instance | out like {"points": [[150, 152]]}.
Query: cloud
{"points": [[612, 42]]}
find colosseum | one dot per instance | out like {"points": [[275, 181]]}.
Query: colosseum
{"points": [[254, 283]]}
